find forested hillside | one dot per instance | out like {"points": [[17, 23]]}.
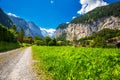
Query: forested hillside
{"points": [[102, 38], [62, 26], [105, 11]]}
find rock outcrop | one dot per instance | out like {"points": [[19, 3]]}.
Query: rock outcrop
{"points": [[77, 31]]}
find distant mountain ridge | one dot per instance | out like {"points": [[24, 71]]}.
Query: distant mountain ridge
{"points": [[30, 28]]}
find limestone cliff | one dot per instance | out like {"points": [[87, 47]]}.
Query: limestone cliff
{"points": [[77, 31]]}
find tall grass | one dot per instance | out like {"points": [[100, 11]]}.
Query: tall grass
{"points": [[8, 46], [69, 63]]}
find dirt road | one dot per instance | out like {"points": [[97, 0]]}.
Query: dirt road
{"points": [[16, 65]]}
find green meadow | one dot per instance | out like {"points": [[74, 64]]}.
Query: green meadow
{"points": [[70, 63]]}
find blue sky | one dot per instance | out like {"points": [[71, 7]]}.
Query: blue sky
{"points": [[45, 13]]}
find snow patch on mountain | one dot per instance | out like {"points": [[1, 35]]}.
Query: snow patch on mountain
{"points": [[48, 32], [11, 14]]}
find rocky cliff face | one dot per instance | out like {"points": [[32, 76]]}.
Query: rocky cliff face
{"points": [[59, 32], [77, 31]]}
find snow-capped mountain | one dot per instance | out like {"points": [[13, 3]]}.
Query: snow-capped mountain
{"points": [[30, 28], [48, 32]]}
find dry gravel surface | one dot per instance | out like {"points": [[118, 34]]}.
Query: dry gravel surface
{"points": [[16, 65]]}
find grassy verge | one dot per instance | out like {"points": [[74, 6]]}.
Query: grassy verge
{"points": [[69, 63], [8, 46]]}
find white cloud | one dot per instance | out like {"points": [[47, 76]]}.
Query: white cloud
{"points": [[88, 5], [67, 22], [48, 30], [51, 1], [73, 17], [11, 14]]}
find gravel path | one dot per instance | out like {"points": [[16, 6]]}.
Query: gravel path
{"points": [[16, 65]]}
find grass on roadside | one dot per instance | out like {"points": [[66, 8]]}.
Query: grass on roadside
{"points": [[8, 46]]}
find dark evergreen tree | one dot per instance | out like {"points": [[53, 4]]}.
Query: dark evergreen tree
{"points": [[52, 42], [47, 39]]}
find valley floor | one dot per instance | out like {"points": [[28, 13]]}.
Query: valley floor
{"points": [[71, 63]]}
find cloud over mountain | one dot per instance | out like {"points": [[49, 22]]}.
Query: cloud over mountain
{"points": [[48, 32], [11, 14], [88, 5]]}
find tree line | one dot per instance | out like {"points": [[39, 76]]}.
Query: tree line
{"points": [[47, 41], [12, 35]]}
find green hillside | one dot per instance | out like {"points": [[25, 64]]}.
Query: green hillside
{"points": [[105, 11], [99, 39]]}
